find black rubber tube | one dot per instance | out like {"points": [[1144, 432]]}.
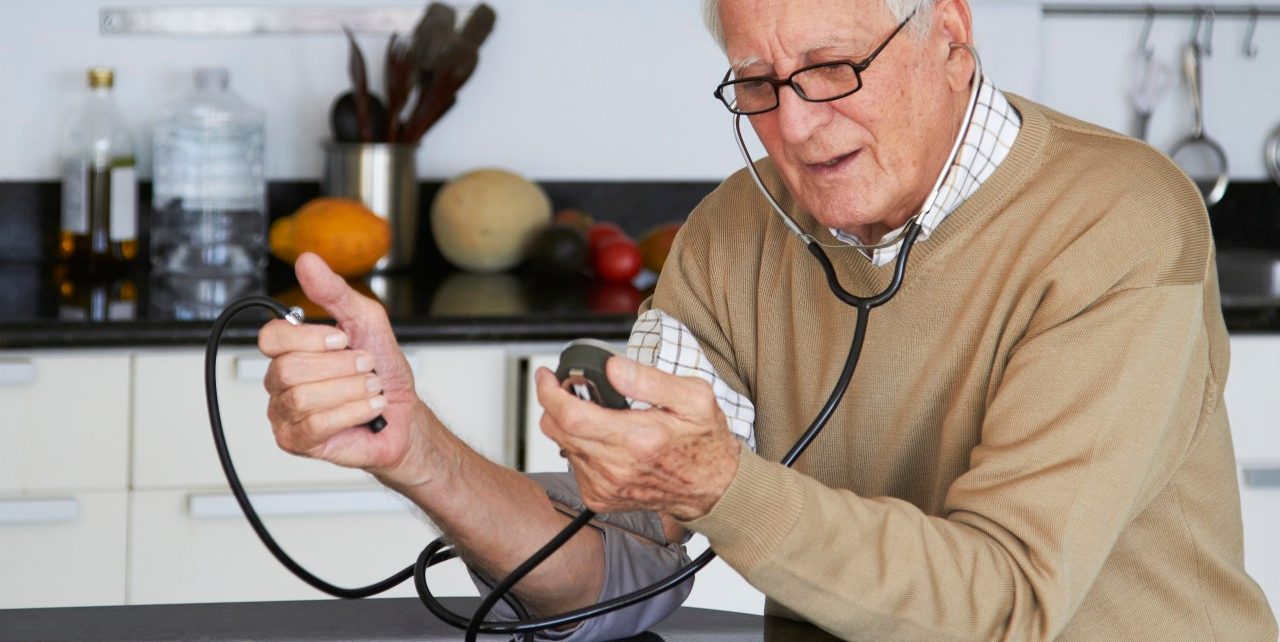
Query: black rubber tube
{"points": [[437, 551]]}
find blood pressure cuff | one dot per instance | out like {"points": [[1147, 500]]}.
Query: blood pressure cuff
{"points": [[636, 554]]}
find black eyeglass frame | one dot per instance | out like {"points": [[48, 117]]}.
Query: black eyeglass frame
{"points": [[858, 67]]}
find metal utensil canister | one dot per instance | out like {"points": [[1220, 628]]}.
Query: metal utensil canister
{"points": [[384, 177]]}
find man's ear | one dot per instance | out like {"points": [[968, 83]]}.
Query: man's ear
{"points": [[953, 23], [954, 20]]}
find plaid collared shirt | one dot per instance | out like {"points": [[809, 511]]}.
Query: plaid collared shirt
{"points": [[992, 129], [660, 340]]}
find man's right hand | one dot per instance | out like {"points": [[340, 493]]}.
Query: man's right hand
{"points": [[322, 394]]}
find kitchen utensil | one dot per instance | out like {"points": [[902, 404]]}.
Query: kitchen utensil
{"points": [[458, 61], [429, 36], [1150, 78], [439, 95], [399, 81], [1201, 157], [344, 120], [1271, 154], [431, 40], [360, 88]]}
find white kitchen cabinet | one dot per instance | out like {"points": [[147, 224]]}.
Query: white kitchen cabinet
{"points": [[467, 387], [541, 455], [1253, 406], [1253, 398], [172, 443], [64, 421], [173, 447], [1260, 504], [197, 547], [63, 549]]}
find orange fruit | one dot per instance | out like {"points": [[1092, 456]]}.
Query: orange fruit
{"points": [[655, 245], [342, 231]]}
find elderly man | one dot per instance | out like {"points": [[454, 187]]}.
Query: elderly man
{"points": [[1034, 445]]}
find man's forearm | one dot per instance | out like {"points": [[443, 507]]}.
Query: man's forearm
{"points": [[496, 518]]}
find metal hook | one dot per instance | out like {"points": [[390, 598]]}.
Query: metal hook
{"points": [[1144, 42], [1251, 47], [1208, 40], [1195, 27]]}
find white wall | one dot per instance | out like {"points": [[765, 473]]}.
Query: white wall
{"points": [[554, 94], [1087, 73]]}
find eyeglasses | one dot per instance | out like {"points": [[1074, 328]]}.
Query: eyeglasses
{"points": [[818, 83]]}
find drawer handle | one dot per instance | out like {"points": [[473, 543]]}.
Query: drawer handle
{"points": [[1262, 477], [254, 369], [39, 511], [17, 372], [297, 503]]}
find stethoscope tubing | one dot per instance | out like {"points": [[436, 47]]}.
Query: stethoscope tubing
{"points": [[438, 551]]}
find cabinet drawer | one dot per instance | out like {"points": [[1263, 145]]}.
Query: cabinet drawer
{"points": [[1253, 398], [172, 443], [196, 547], [64, 422], [1260, 506], [66, 550]]}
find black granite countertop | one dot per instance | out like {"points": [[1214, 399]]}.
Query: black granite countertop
{"points": [[379, 619], [43, 307]]}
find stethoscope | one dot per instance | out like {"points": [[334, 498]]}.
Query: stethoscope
{"points": [[438, 551]]}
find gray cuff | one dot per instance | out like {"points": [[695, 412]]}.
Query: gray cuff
{"points": [[636, 554]]}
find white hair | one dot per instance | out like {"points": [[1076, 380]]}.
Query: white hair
{"points": [[899, 8]]}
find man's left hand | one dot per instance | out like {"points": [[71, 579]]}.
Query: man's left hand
{"points": [[677, 457]]}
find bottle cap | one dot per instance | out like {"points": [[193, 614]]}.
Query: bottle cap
{"points": [[101, 77]]}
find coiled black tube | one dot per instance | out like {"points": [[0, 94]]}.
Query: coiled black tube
{"points": [[437, 551]]}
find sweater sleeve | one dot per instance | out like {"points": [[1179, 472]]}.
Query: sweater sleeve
{"points": [[1088, 423]]}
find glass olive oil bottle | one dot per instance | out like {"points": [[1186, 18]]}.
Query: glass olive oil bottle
{"points": [[99, 185]]}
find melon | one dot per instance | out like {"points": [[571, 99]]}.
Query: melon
{"points": [[483, 220]]}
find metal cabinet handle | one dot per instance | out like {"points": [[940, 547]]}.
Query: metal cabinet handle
{"points": [[1262, 477], [38, 511], [17, 372], [297, 503]]}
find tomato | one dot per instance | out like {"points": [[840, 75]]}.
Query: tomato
{"points": [[597, 233], [616, 259], [614, 298]]}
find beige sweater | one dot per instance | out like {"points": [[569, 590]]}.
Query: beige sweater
{"points": [[1034, 446]]}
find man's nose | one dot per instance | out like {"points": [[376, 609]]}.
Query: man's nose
{"points": [[797, 117]]}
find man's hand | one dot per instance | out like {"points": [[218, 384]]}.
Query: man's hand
{"points": [[676, 458], [322, 394]]}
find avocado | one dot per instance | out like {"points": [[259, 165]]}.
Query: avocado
{"points": [[557, 250]]}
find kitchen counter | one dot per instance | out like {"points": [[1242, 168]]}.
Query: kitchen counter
{"points": [[40, 307], [377, 619]]}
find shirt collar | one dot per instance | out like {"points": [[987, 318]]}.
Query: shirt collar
{"points": [[992, 129]]}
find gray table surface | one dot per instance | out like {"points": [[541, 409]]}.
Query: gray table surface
{"points": [[371, 620]]}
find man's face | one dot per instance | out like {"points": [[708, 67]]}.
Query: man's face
{"points": [[863, 163]]}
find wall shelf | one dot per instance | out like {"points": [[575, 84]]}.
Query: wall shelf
{"points": [[250, 21]]}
